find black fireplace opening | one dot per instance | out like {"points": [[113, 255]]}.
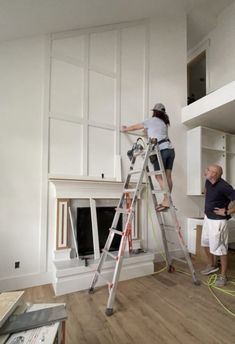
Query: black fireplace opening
{"points": [[105, 217]]}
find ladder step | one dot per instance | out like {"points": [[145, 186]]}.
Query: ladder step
{"points": [[129, 190], [116, 231], [110, 254], [180, 260], [154, 173], [123, 211], [169, 228], [141, 152], [157, 191], [153, 153], [134, 172]]}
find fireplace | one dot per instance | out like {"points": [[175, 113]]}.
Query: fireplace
{"points": [[76, 216], [105, 217]]}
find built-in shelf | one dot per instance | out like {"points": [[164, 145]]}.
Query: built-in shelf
{"points": [[206, 146], [216, 110]]}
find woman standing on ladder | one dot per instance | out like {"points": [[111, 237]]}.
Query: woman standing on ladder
{"points": [[157, 128]]}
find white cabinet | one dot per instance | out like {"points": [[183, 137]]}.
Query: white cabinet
{"points": [[207, 146]]}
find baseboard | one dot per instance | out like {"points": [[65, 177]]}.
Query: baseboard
{"points": [[25, 281]]}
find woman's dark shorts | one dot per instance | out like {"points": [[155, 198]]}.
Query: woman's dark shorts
{"points": [[168, 156]]}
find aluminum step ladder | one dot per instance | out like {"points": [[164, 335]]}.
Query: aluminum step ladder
{"points": [[152, 149]]}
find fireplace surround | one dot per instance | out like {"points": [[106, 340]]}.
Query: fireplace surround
{"points": [[71, 271]]}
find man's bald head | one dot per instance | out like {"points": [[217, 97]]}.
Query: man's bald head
{"points": [[213, 172], [218, 169]]}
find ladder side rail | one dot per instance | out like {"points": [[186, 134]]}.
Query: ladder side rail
{"points": [[160, 220], [118, 266], [123, 243], [183, 245], [116, 275], [111, 234], [162, 169], [174, 217], [104, 252]]}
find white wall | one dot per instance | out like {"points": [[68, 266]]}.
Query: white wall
{"points": [[22, 73], [222, 50], [168, 85], [22, 86]]}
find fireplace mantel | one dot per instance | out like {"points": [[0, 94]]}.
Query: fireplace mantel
{"points": [[84, 188]]}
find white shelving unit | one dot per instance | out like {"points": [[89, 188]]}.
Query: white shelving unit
{"points": [[207, 146]]}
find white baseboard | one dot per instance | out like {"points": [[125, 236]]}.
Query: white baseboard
{"points": [[25, 281]]}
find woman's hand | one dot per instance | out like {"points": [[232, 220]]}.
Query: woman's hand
{"points": [[123, 128]]}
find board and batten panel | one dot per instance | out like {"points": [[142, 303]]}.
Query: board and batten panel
{"points": [[65, 148], [103, 51], [102, 77], [101, 152], [133, 83], [67, 89], [102, 98], [133, 68], [70, 48]]}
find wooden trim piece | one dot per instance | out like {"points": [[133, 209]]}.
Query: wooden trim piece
{"points": [[62, 224]]}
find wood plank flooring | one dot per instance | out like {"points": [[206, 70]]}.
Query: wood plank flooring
{"points": [[162, 308]]}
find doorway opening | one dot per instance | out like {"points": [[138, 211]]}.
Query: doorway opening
{"points": [[196, 73]]}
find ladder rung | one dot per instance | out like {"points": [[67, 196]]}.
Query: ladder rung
{"points": [[153, 153], [180, 260], [123, 211], [154, 173], [110, 254], [169, 228], [129, 190], [142, 152], [134, 171], [159, 191], [116, 231]]}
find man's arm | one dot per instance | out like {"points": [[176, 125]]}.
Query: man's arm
{"points": [[224, 211]]}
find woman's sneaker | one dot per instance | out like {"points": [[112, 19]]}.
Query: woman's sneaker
{"points": [[209, 270], [220, 281]]}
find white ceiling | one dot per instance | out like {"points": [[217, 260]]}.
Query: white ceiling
{"points": [[19, 18]]}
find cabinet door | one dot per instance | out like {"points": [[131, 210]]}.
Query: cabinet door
{"points": [[205, 147], [230, 159], [194, 180]]}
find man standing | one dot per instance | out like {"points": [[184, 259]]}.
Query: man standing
{"points": [[215, 231]]}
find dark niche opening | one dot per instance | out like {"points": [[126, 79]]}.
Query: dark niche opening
{"points": [[196, 73], [105, 217]]}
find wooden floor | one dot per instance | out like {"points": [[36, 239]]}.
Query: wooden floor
{"points": [[162, 308]]}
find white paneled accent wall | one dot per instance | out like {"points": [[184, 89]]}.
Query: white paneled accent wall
{"points": [[133, 76], [66, 147], [98, 81]]}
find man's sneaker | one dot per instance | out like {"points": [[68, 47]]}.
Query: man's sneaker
{"points": [[220, 281], [209, 270]]}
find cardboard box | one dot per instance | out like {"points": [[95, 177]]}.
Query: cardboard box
{"points": [[200, 253]]}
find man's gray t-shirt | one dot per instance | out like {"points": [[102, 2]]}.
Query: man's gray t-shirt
{"points": [[157, 129]]}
